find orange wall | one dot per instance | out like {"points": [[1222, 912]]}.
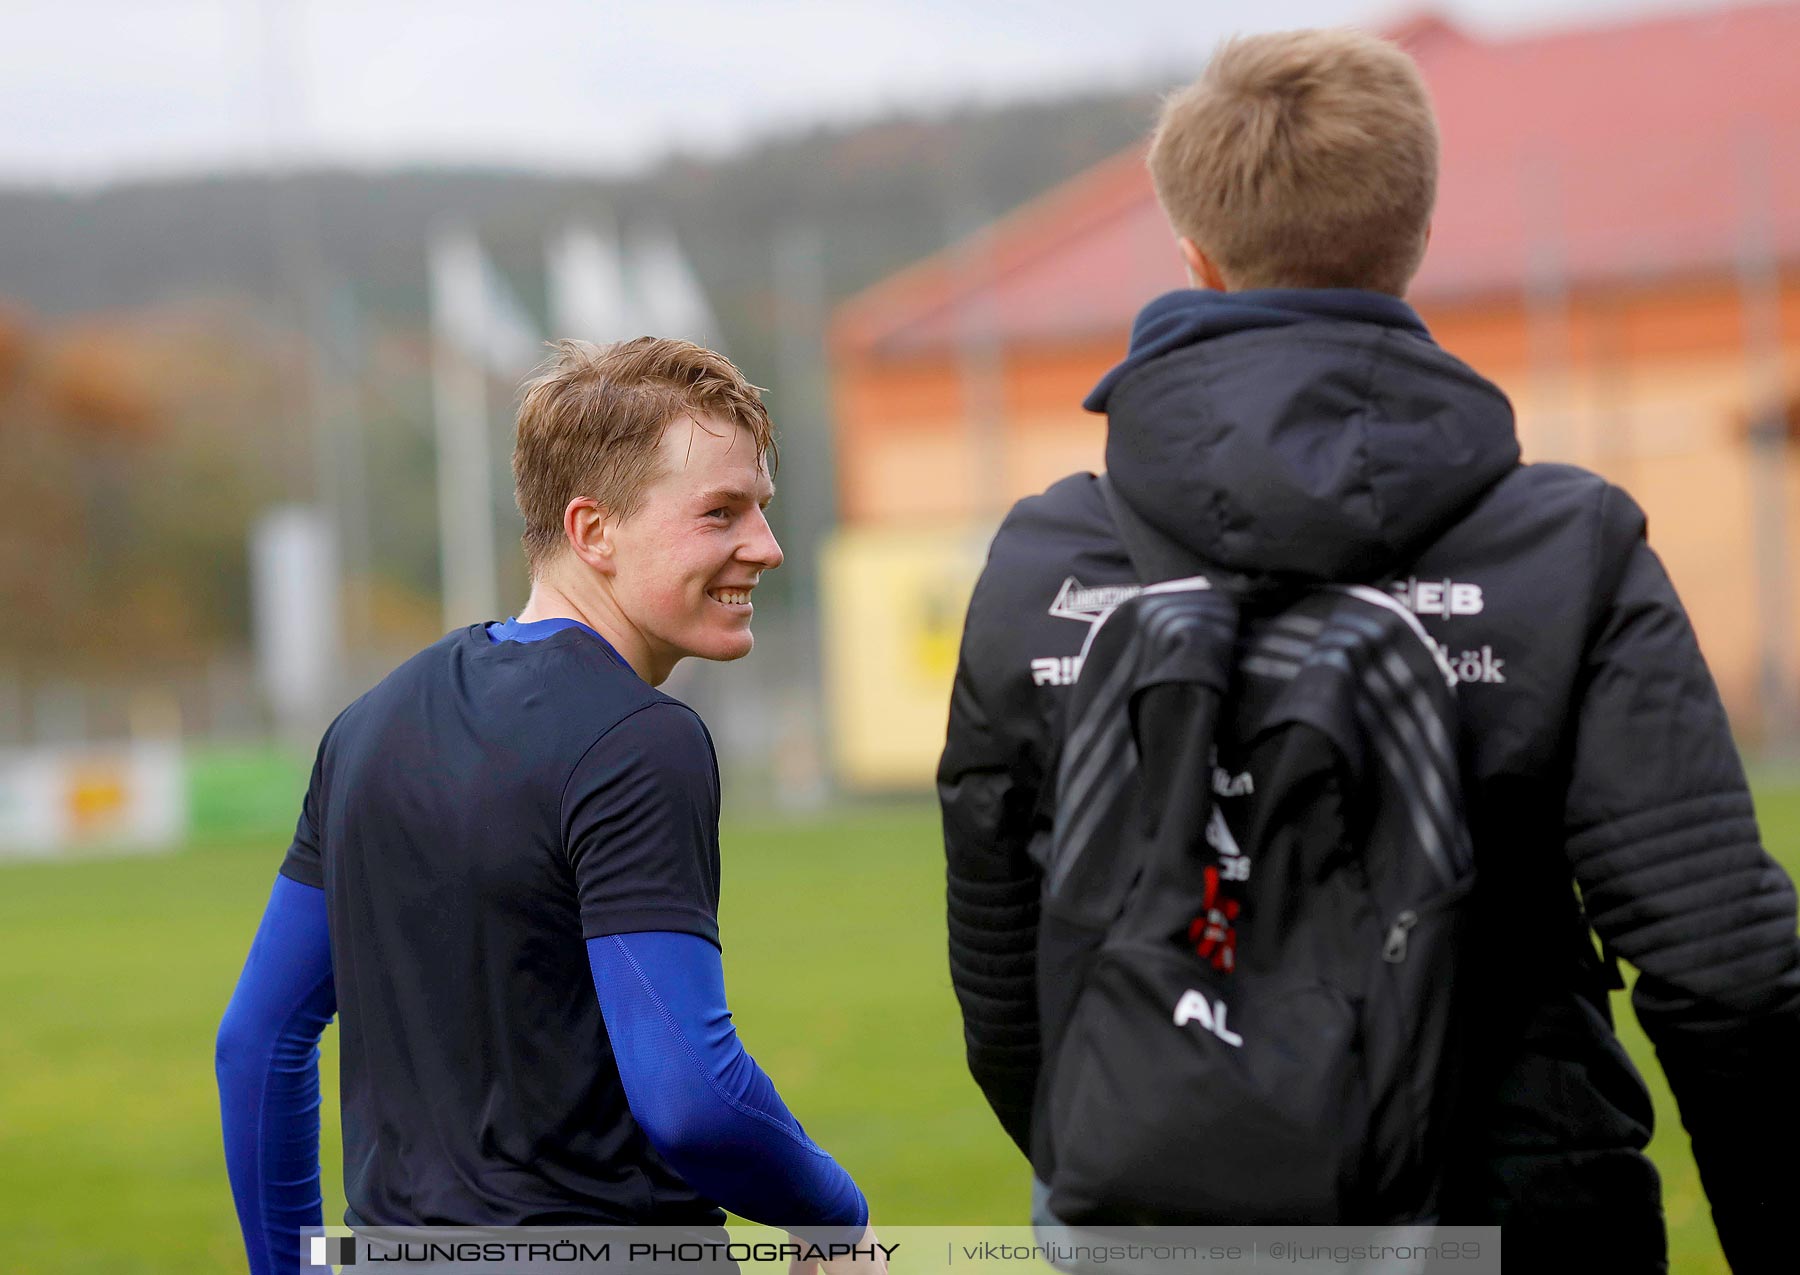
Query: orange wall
{"points": [[1650, 387], [906, 448]]}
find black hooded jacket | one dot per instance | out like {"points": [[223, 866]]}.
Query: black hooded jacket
{"points": [[1323, 436]]}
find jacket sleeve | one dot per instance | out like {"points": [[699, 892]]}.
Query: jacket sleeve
{"points": [[1663, 841], [988, 787]]}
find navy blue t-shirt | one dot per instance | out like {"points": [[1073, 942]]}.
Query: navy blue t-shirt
{"points": [[472, 820]]}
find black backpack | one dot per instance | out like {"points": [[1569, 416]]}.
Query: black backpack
{"points": [[1254, 910]]}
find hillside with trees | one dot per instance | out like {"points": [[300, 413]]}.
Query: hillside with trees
{"points": [[158, 388]]}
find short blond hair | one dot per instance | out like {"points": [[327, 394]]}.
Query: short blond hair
{"points": [[1302, 159], [591, 424]]}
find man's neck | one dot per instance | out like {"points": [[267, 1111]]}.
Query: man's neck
{"points": [[549, 600]]}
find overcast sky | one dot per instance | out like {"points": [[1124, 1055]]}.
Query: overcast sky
{"points": [[98, 90]]}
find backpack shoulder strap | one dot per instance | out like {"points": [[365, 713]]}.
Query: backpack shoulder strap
{"points": [[1138, 736]]}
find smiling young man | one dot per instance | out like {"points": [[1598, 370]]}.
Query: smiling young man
{"points": [[505, 876]]}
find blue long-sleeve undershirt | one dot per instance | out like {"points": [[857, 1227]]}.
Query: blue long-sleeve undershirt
{"points": [[267, 1062], [700, 1098], [705, 1105]]}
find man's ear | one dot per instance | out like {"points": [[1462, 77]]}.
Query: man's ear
{"points": [[1203, 271], [589, 530]]}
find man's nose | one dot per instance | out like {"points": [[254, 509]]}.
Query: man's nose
{"points": [[761, 546]]}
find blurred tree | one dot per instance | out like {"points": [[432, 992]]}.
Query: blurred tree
{"points": [[151, 381], [12, 345], [131, 472], [95, 377]]}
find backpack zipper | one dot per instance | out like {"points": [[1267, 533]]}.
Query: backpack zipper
{"points": [[1394, 950]]}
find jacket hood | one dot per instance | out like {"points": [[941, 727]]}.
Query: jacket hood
{"points": [[1309, 434]]}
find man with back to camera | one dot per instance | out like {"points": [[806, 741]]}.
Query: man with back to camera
{"points": [[1291, 417], [505, 875]]}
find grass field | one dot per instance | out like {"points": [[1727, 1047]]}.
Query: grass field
{"points": [[114, 973]]}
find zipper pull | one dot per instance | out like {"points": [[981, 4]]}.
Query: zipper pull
{"points": [[1394, 950]]}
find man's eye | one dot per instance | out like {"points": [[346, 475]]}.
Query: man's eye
{"points": [[720, 512]]}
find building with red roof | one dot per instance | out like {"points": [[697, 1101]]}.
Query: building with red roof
{"points": [[1615, 243]]}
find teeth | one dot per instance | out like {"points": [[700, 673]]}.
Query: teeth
{"points": [[733, 597]]}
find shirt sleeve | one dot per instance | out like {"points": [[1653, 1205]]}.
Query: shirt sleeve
{"points": [[701, 1099], [641, 824], [303, 862], [267, 1064]]}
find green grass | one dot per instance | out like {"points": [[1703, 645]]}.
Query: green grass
{"points": [[115, 971], [243, 793]]}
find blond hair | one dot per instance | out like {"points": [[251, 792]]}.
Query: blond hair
{"points": [[1304, 159], [591, 424]]}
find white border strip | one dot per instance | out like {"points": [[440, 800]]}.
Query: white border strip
{"points": [[1187, 584]]}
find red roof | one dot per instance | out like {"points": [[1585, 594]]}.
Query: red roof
{"points": [[1663, 147]]}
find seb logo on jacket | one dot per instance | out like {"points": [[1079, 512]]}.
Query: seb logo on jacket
{"points": [[1430, 599], [1450, 600], [1444, 599]]}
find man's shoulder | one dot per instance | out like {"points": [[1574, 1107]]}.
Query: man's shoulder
{"points": [[1548, 508], [1070, 506], [1053, 529], [585, 696], [1054, 568], [1555, 480], [551, 696], [660, 747], [661, 727], [1512, 595]]}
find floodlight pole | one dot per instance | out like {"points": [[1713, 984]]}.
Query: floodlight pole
{"points": [[301, 276], [982, 367], [459, 410], [1547, 318], [1759, 291], [808, 506]]}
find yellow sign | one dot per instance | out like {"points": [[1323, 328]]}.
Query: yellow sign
{"points": [[892, 605], [98, 797]]}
